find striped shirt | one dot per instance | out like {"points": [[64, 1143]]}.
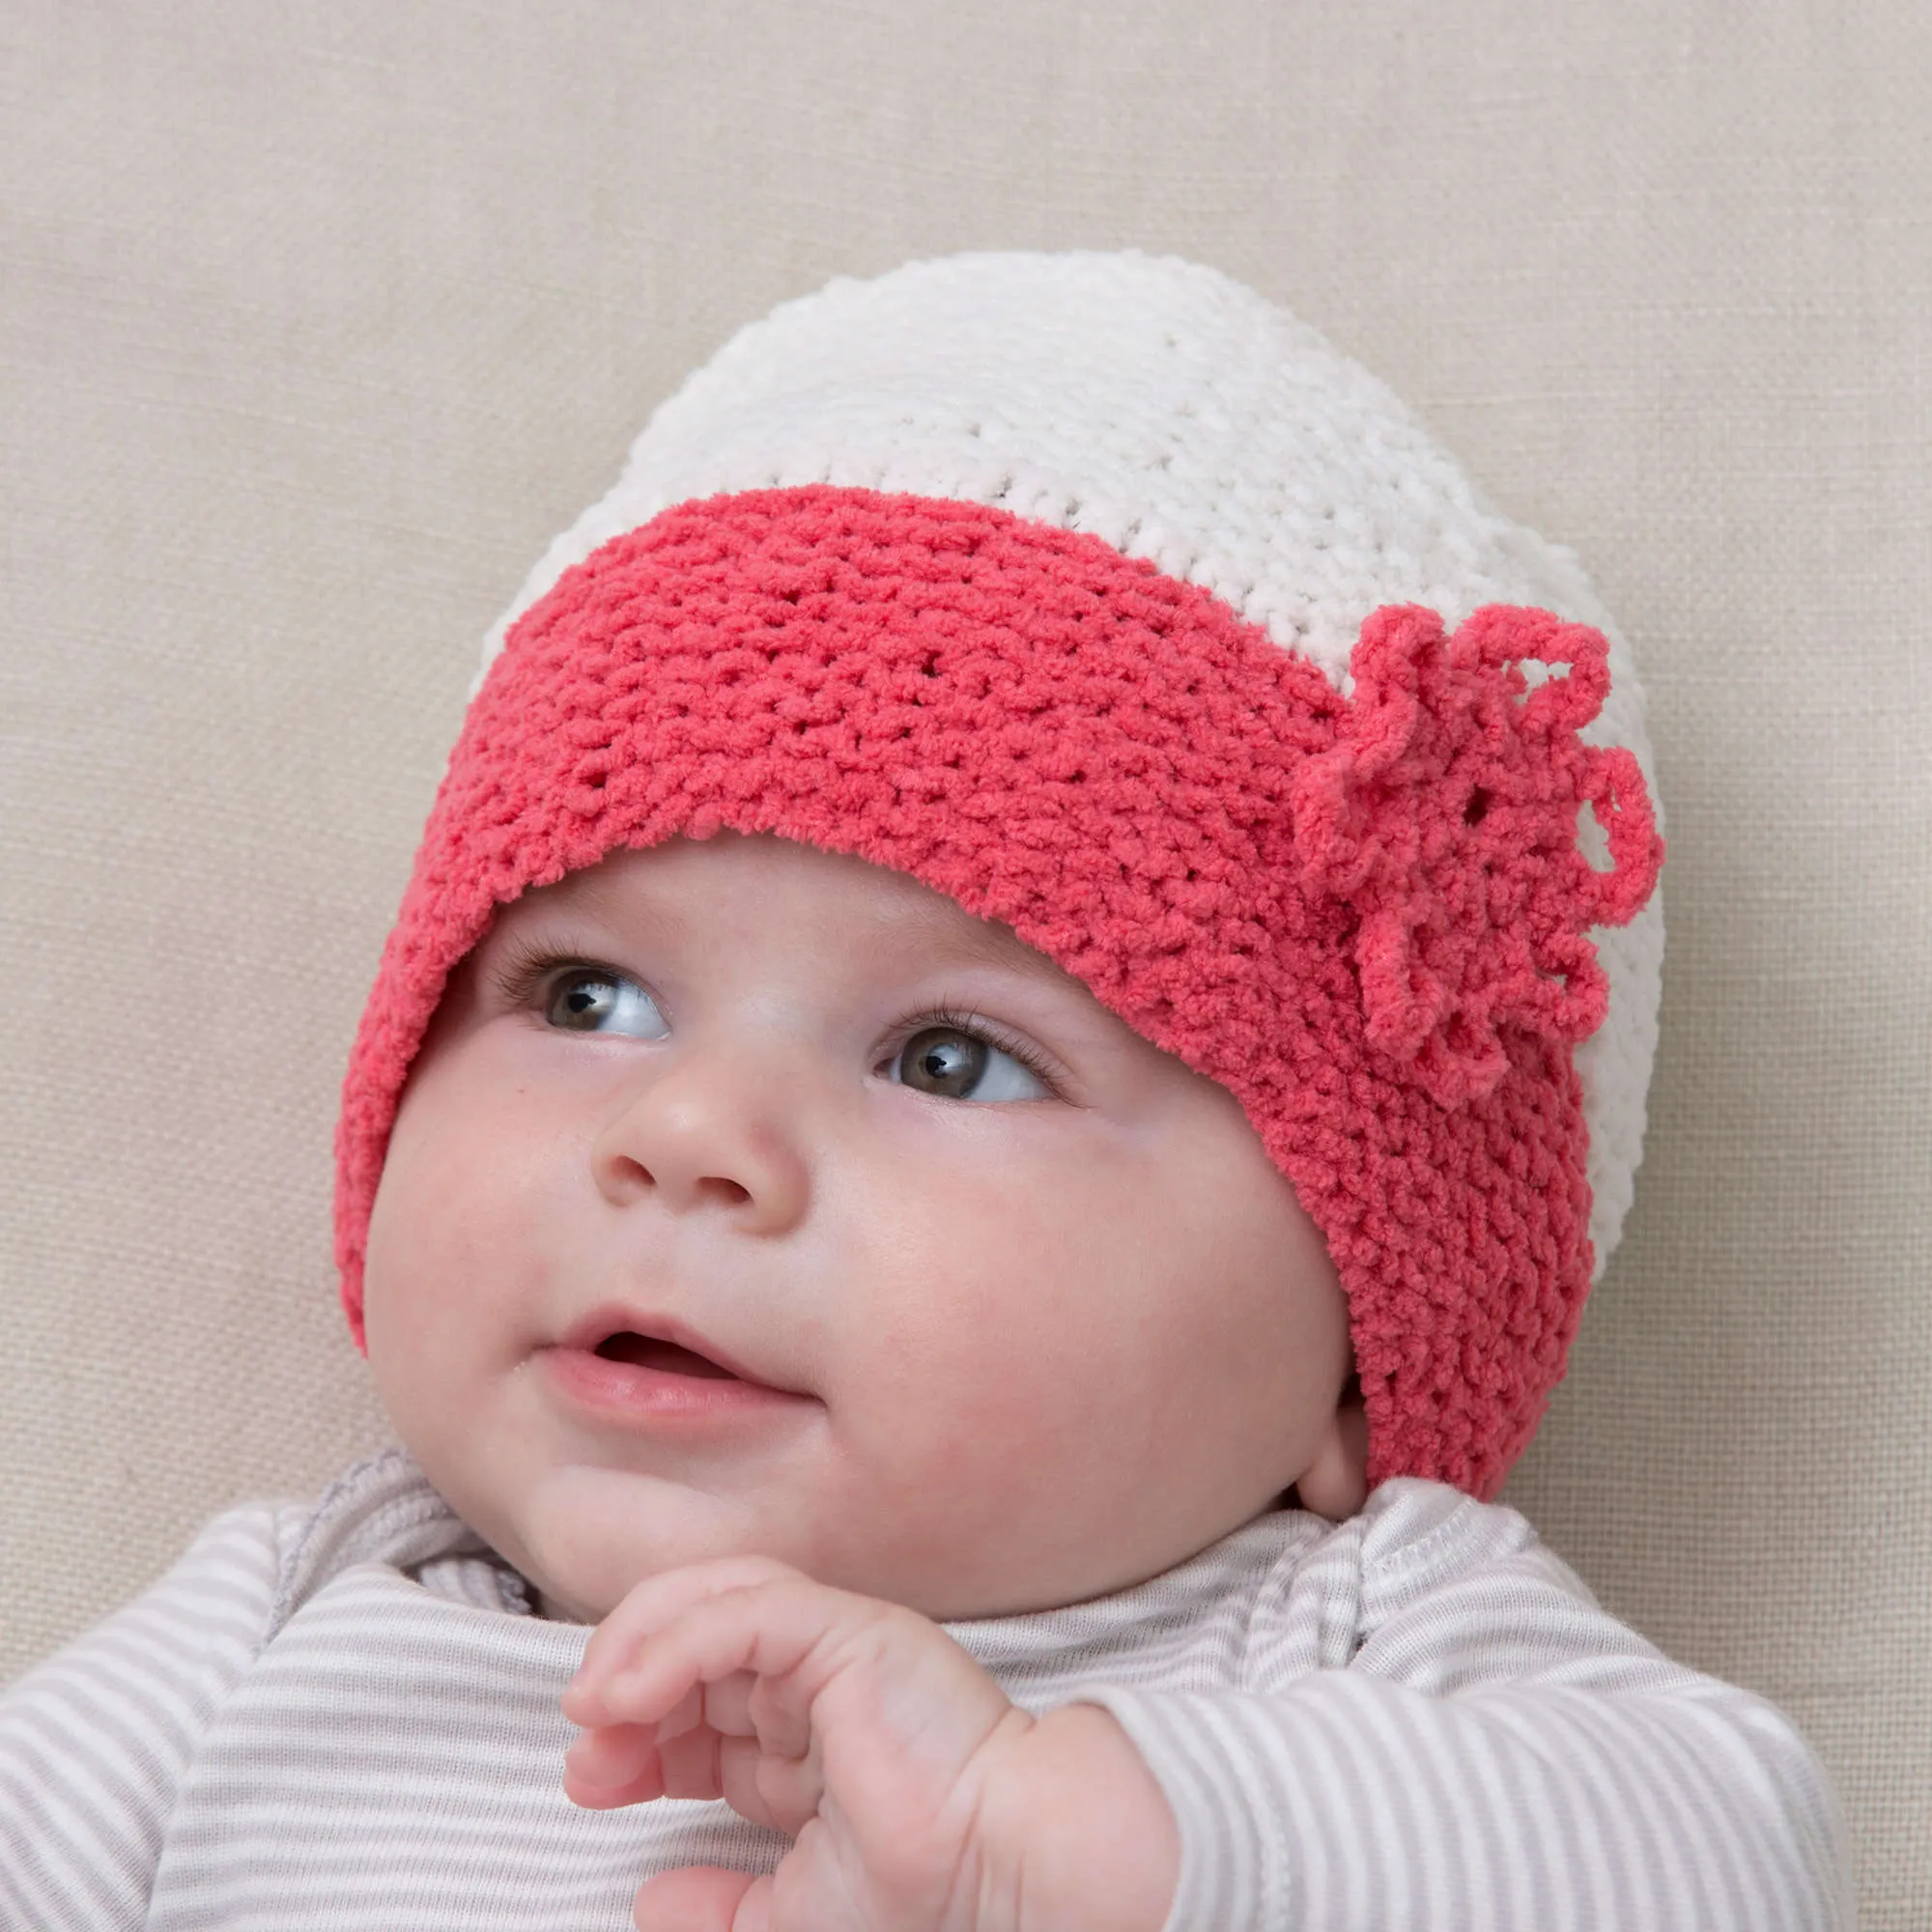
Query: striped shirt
{"points": [[344, 1718]]}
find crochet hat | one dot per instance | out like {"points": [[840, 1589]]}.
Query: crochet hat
{"points": [[1105, 598]]}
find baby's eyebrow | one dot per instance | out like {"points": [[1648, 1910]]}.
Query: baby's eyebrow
{"points": [[969, 939], [911, 920], [942, 927]]}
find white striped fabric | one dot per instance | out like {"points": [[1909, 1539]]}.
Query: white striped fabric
{"points": [[345, 1716]]}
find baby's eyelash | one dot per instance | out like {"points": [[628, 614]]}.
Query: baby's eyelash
{"points": [[965, 1020], [525, 966]]}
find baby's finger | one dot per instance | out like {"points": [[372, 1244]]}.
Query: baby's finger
{"points": [[686, 1714], [619, 1765], [785, 1793], [692, 1764], [770, 1629], [728, 1705], [703, 1898], [647, 1608]]}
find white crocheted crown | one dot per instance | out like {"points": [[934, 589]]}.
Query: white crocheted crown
{"points": [[1184, 419]]}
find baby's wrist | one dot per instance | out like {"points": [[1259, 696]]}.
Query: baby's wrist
{"points": [[1083, 1829]]}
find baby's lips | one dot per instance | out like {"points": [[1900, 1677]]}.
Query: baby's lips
{"points": [[614, 1318]]}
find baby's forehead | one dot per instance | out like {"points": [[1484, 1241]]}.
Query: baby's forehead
{"points": [[684, 886]]}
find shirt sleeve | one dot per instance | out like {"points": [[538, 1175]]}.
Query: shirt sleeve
{"points": [[93, 1742], [1437, 1725]]}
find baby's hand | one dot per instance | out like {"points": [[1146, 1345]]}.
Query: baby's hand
{"points": [[920, 1798]]}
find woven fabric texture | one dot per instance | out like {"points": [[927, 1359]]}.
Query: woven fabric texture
{"points": [[318, 321]]}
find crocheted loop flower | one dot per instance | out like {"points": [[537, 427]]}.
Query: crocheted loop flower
{"points": [[1445, 814]]}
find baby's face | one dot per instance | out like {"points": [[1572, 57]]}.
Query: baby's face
{"points": [[749, 1198]]}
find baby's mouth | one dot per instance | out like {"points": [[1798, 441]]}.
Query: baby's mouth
{"points": [[647, 1352], [621, 1367]]}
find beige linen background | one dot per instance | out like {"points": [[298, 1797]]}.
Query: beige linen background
{"points": [[318, 320]]}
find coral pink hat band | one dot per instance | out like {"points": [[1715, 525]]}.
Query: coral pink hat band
{"points": [[1366, 917]]}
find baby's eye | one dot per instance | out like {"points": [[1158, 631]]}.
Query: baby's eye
{"points": [[586, 999], [961, 1065]]}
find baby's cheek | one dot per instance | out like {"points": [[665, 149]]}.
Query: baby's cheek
{"points": [[445, 1273], [1030, 1431]]}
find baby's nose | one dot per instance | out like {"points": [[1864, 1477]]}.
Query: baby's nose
{"points": [[706, 1134]]}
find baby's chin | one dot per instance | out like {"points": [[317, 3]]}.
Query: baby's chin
{"points": [[585, 1537]]}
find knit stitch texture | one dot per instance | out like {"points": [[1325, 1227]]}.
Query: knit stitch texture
{"points": [[1364, 916], [1184, 419]]}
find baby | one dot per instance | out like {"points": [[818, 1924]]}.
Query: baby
{"points": [[976, 1142]]}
